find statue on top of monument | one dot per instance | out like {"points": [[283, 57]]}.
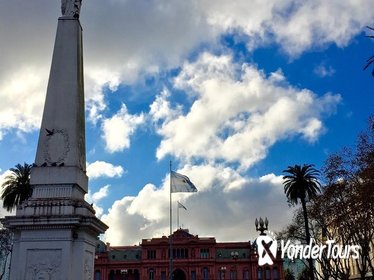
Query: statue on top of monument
{"points": [[71, 8]]}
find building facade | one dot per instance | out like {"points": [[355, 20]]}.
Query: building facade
{"points": [[194, 258]]}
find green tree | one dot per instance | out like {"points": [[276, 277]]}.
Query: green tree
{"points": [[304, 274], [288, 274], [370, 60], [16, 187], [301, 184], [6, 243], [348, 198]]}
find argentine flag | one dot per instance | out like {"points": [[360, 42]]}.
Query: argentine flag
{"points": [[181, 183]]}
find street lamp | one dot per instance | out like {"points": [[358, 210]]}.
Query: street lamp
{"points": [[262, 226]]}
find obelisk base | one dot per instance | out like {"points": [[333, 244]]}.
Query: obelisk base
{"points": [[53, 247]]}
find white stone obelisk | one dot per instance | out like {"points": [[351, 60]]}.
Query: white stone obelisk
{"points": [[56, 229]]}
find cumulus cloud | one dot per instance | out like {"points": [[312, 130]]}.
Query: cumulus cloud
{"points": [[239, 112], [3, 212], [96, 197], [131, 39], [24, 64], [103, 169], [295, 25], [229, 201], [118, 129], [125, 40], [22, 116], [161, 110]]}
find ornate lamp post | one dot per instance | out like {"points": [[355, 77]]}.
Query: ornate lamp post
{"points": [[262, 226]]}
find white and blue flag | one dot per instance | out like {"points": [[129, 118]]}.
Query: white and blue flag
{"points": [[181, 183]]}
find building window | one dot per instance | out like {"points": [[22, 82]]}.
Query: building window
{"points": [[221, 273], [232, 274], [163, 275], [111, 275], [259, 273], [204, 253], [275, 273], [267, 273], [180, 253], [246, 275], [193, 275], [151, 274], [205, 273], [151, 254], [136, 275], [97, 275]]}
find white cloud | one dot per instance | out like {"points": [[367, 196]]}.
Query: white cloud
{"points": [[125, 40], [295, 25], [239, 112], [322, 70], [96, 197], [271, 178], [118, 129], [3, 212], [103, 192], [229, 212], [25, 116], [103, 169], [161, 109], [131, 39], [317, 23]]}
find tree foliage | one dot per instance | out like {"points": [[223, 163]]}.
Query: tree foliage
{"points": [[288, 274], [6, 242], [16, 187], [344, 211], [370, 60], [348, 199], [301, 183]]}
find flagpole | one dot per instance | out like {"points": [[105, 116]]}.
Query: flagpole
{"points": [[170, 237], [178, 216]]}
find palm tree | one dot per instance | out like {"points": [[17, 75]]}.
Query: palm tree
{"points": [[301, 183], [16, 187], [370, 60]]}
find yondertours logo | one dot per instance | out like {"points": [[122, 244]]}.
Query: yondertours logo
{"points": [[267, 249]]}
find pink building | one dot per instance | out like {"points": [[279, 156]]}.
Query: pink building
{"points": [[194, 258]]}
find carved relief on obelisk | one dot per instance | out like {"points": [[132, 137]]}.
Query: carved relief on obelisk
{"points": [[43, 264]]}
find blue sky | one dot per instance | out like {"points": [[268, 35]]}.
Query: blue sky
{"points": [[232, 92]]}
